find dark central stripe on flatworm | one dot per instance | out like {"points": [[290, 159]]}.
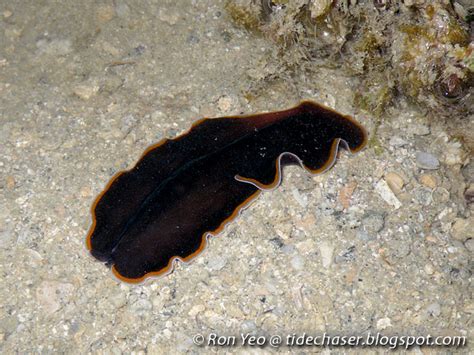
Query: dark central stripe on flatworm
{"points": [[183, 189]]}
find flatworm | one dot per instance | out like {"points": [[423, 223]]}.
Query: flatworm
{"points": [[184, 189]]}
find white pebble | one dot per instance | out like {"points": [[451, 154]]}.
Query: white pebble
{"points": [[387, 194], [327, 250]]}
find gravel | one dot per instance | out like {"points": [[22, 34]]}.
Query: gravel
{"points": [[427, 161]]}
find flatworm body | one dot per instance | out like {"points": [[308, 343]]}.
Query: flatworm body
{"points": [[184, 189]]}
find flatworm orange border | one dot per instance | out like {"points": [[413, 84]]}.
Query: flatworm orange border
{"points": [[262, 187]]}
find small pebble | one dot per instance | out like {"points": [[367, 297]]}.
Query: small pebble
{"points": [[387, 194], [428, 180], [373, 222], [423, 196], [427, 161], [429, 269], [345, 194], [440, 195], [463, 229], [469, 244], [454, 153], [431, 239], [319, 8], [85, 92], [105, 13], [224, 103], [86, 191], [396, 141], [384, 323], [326, 249], [395, 182], [10, 180], [217, 263]]}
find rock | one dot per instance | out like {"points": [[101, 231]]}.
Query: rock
{"points": [[427, 161], [387, 194], [395, 182], [463, 229], [326, 249], [428, 180]]}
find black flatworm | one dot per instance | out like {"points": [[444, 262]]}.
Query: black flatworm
{"points": [[187, 188]]}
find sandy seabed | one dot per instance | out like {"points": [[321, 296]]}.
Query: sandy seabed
{"points": [[382, 243]]}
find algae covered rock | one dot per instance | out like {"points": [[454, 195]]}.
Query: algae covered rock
{"points": [[419, 49]]}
